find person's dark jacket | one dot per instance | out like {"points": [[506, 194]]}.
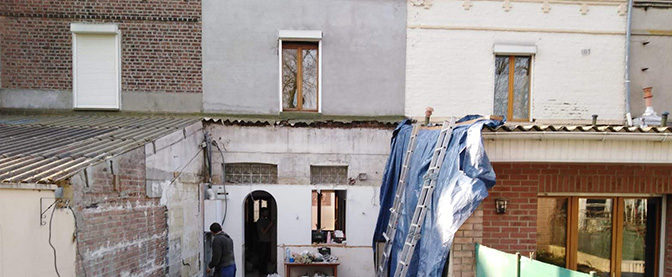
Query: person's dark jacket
{"points": [[222, 251]]}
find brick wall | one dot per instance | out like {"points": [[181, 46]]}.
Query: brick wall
{"points": [[161, 43], [463, 250], [121, 231], [520, 183]]}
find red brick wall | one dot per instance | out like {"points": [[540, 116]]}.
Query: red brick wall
{"points": [[463, 250], [161, 43], [520, 184], [121, 231]]}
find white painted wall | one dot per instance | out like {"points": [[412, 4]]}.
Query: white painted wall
{"points": [[450, 59], [24, 247], [294, 150], [294, 226]]}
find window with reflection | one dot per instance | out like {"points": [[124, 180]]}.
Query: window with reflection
{"points": [[552, 230], [612, 236], [300, 76], [512, 87]]}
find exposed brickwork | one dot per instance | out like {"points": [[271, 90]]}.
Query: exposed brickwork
{"points": [[121, 230], [161, 43], [463, 248], [516, 230], [520, 183]]}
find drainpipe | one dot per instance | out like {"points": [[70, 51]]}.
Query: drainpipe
{"points": [[628, 33]]}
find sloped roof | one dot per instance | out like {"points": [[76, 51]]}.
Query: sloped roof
{"points": [[47, 148]]}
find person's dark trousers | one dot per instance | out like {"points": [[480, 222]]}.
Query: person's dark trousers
{"points": [[227, 271]]}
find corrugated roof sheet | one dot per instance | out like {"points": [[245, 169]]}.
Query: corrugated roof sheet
{"points": [[47, 148], [309, 120], [578, 128]]}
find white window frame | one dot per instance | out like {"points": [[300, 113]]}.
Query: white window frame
{"points": [[105, 29], [306, 36], [518, 50]]}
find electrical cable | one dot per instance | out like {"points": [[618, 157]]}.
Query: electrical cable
{"points": [[79, 254], [51, 219], [208, 156], [226, 202], [184, 167]]}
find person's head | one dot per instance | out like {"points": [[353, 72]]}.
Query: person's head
{"points": [[215, 228]]}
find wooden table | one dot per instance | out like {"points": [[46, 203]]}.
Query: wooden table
{"points": [[333, 266]]}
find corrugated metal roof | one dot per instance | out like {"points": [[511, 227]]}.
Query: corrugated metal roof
{"points": [[308, 120], [578, 128], [47, 148]]}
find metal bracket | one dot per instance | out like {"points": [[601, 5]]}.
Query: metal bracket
{"points": [[43, 217]]}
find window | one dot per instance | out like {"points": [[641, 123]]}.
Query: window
{"points": [[96, 66], [512, 87], [607, 235], [328, 174], [300, 76], [251, 173], [328, 215]]}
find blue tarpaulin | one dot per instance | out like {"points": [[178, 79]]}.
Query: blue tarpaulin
{"points": [[462, 183]]}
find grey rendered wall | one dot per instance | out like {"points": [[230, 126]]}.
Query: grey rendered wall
{"points": [[651, 47], [363, 54]]}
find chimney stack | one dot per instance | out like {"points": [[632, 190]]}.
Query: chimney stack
{"points": [[649, 117], [428, 114]]}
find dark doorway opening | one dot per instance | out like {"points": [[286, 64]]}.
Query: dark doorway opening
{"points": [[260, 215]]}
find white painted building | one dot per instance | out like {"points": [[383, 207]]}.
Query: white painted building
{"points": [[292, 154], [576, 52]]}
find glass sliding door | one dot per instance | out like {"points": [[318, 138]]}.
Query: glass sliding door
{"points": [[594, 236], [613, 236], [638, 256]]}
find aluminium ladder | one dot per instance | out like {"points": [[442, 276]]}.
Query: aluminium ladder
{"points": [[424, 199], [391, 229]]}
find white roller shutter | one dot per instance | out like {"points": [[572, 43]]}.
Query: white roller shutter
{"points": [[96, 66]]}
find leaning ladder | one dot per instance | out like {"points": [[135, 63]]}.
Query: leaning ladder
{"points": [[424, 199], [391, 229]]}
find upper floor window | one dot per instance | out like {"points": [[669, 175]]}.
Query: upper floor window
{"points": [[96, 66], [512, 87], [299, 54], [300, 66]]}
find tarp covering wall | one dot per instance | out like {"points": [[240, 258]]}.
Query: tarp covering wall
{"points": [[462, 183]]}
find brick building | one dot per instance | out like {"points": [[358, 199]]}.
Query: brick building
{"points": [[582, 197], [159, 53]]}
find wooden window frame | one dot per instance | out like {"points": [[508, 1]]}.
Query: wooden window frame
{"points": [[337, 198], [571, 248], [300, 46], [511, 94]]}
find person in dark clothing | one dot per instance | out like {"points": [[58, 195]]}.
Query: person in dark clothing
{"points": [[222, 263], [264, 231]]}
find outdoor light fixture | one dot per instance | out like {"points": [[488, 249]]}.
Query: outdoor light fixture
{"points": [[500, 205]]}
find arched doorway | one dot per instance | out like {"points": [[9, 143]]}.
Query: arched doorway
{"points": [[260, 214]]}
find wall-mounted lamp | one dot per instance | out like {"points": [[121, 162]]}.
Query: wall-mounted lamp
{"points": [[500, 205]]}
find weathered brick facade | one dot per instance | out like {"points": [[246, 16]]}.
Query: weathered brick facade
{"points": [[160, 43], [121, 230], [521, 183]]}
